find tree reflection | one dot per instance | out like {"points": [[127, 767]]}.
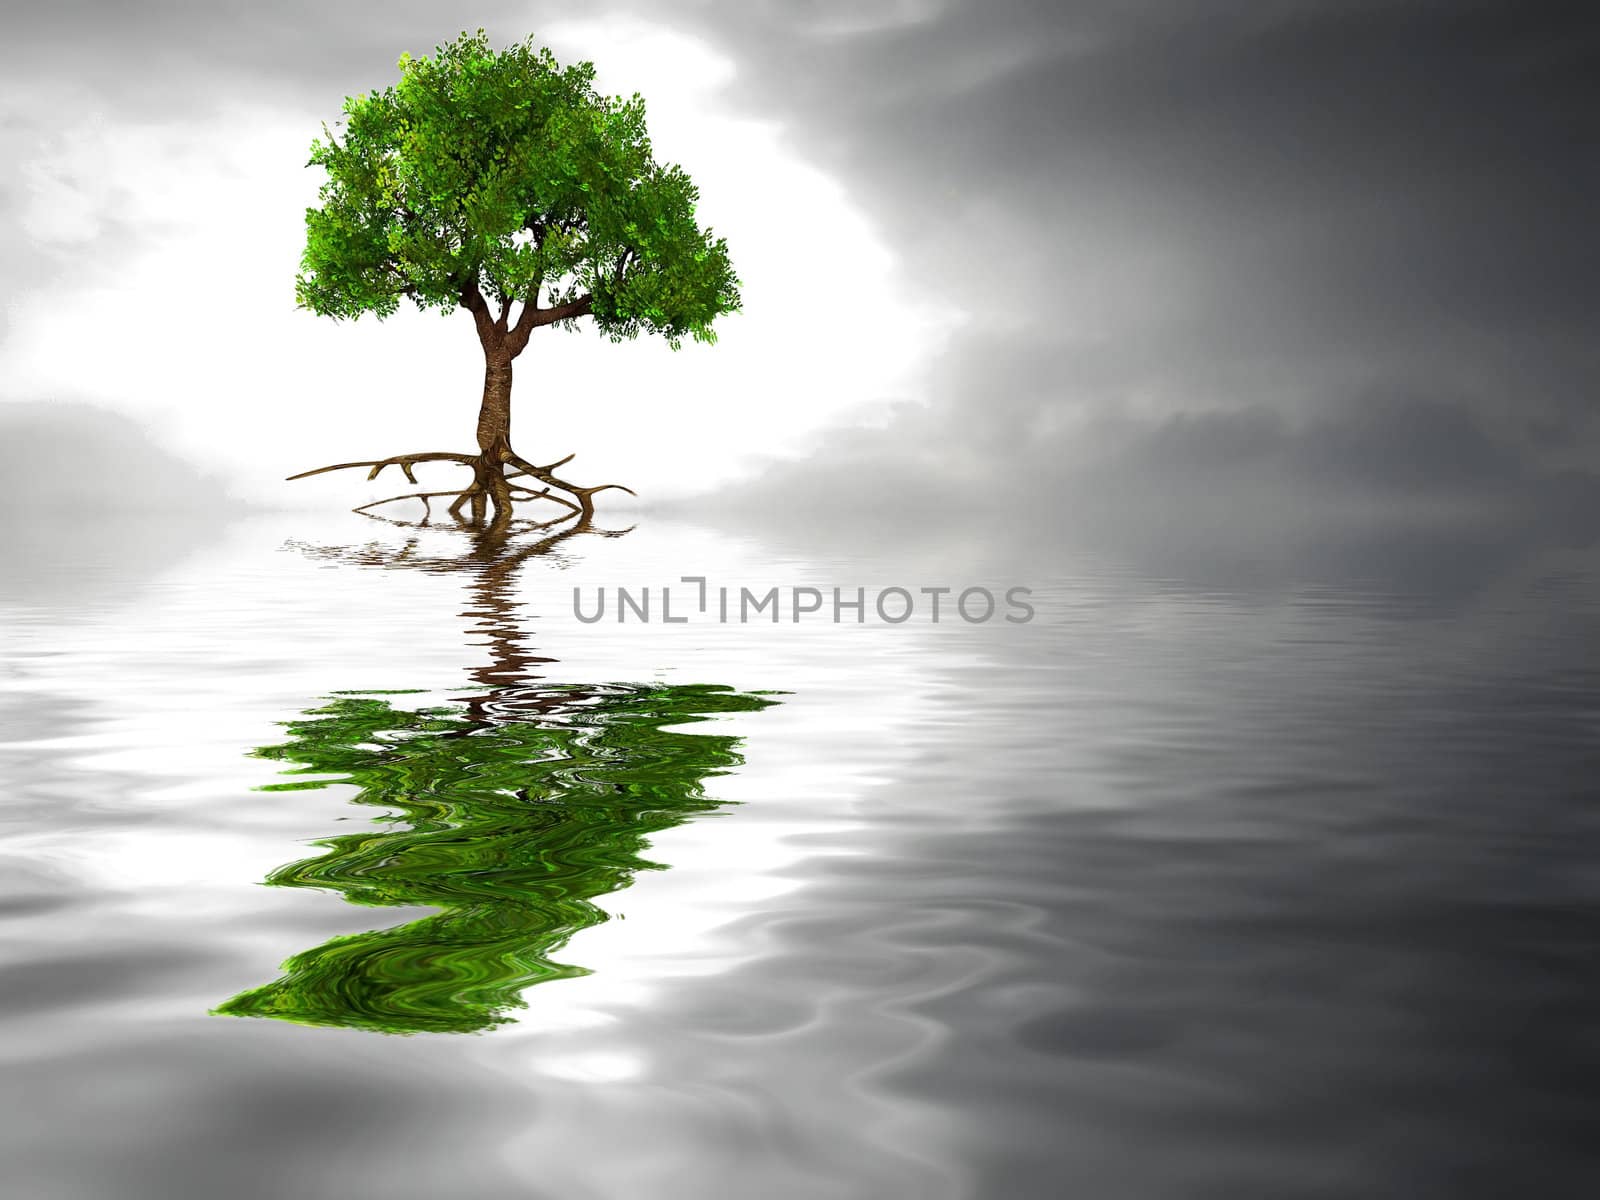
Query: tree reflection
{"points": [[510, 811]]}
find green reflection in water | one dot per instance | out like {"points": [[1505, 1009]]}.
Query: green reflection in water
{"points": [[510, 815]]}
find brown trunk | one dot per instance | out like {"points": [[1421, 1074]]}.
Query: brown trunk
{"points": [[494, 439], [491, 487], [494, 415]]}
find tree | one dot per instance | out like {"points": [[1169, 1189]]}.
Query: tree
{"points": [[503, 185]]}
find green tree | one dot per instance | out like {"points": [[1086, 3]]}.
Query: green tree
{"points": [[503, 185]]}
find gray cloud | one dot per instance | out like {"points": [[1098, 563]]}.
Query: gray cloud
{"points": [[1235, 267], [64, 457], [93, 508], [1355, 237]]}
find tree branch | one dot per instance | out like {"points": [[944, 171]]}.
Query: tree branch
{"points": [[563, 312], [472, 300], [518, 337], [534, 318], [407, 288]]}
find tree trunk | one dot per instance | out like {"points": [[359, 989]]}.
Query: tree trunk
{"points": [[490, 483], [494, 415], [494, 438]]}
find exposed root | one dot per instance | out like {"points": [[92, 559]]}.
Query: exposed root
{"points": [[425, 497], [543, 475], [491, 487], [404, 461]]}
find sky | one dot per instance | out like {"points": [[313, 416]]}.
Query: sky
{"points": [[1245, 262], [156, 195]]}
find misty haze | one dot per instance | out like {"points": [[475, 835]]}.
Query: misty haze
{"points": [[1247, 348]]}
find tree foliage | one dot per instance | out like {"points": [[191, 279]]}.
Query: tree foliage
{"points": [[506, 176]]}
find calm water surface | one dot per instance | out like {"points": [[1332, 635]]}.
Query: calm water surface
{"points": [[337, 864]]}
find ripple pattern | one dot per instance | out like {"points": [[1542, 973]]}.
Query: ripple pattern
{"points": [[511, 818]]}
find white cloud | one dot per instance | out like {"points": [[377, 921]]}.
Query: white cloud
{"points": [[187, 318]]}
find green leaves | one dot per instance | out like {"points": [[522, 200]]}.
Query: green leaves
{"points": [[504, 170]]}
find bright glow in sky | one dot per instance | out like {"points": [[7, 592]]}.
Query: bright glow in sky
{"points": [[178, 242]]}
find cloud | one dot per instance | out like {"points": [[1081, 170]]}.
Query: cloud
{"points": [[1392, 482], [167, 233], [93, 508], [71, 458], [1320, 264], [1158, 223]]}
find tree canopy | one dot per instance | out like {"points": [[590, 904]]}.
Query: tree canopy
{"points": [[488, 177]]}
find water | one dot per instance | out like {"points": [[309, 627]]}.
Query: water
{"points": [[338, 866]]}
